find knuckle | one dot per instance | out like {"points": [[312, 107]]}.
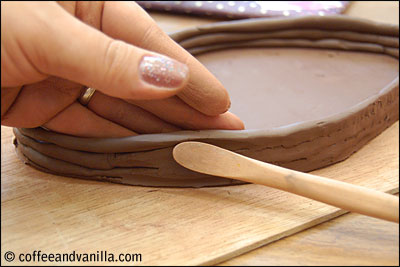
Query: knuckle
{"points": [[151, 32], [116, 58]]}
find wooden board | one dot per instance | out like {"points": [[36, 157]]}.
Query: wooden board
{"points": [[166, 225], [349, 240]]}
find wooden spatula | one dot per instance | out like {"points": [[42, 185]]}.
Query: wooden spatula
{"points": [[209, 159]]}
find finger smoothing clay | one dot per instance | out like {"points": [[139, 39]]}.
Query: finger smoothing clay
{"points": [[310, 90]]}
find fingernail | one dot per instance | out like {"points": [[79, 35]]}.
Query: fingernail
{"points": [[162, 71]]}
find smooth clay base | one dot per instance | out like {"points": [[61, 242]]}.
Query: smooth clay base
{"points": [[311, 91], [275, 87]]}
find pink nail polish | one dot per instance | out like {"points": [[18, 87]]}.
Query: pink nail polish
{"points": [[162, 71]]}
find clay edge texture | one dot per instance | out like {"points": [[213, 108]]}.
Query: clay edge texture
{"points": [[147, 159]]}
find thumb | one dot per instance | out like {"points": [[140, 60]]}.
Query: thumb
{"points": [[70, 49]]}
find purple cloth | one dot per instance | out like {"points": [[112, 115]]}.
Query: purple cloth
{"points": [[247, 9]]}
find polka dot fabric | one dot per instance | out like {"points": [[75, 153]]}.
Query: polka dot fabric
{"points": [[247, 9]]}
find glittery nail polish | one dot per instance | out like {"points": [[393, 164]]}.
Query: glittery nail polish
{"points": [[162, 71]]}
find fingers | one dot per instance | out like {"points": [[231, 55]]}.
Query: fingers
{"points": [[71, 49], [8, 96], [79, 121], [37, 103], [177, 112], [127, 115], [127, 21], [84, 55]]}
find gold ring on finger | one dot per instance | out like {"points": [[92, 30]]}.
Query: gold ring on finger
{"points": [[86, 95]]}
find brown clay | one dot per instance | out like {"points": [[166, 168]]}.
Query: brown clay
{"points": [[311, 91]]}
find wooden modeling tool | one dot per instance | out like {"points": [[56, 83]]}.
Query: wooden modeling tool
{"points": [[213, 160]]}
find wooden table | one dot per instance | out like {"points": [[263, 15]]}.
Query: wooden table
{"points": [[347, 240]]}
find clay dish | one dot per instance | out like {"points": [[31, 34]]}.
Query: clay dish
{"points": [[311, 91]]}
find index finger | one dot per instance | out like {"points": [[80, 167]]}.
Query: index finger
{"points": [[127, 21]]}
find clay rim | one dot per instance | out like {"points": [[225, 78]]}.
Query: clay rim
{"points": [[145, 142], [333, 22]]}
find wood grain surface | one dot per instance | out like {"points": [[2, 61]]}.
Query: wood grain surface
{"points": [[351, 239], [200, 226]]}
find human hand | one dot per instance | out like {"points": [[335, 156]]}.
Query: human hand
{"points": [[52, 50]]}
